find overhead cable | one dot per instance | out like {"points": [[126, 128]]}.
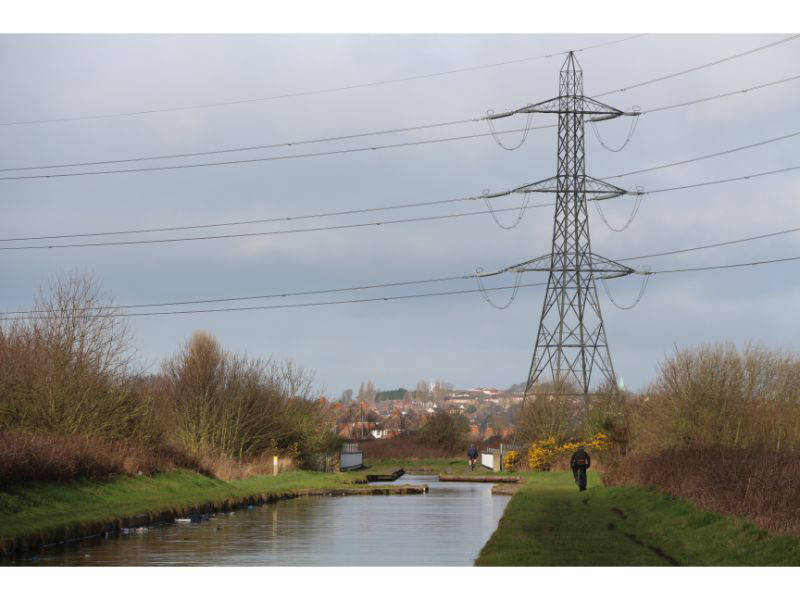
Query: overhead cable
{"points": [[260, 233], [478, 278], [718, 181], [313, 92], [728, 266], [302, 142], [260, 296], [628, 137], [388, 298], [522, 208], [242, 161], [344, 137], [351, 136], [714, 245], [705, 156], [719, 96], [636, 300], [319, 215], [698, 67], [280, 306]]}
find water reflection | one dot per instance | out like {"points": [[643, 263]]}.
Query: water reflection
{"points": [[447, 526]]}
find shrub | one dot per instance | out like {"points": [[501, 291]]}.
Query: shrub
{"points": [[225, 406], [542, 454], [446, 431], [38, 456], [407, 446], [551, 411], [511, 460], [721, 396]]}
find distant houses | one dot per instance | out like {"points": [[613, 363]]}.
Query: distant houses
{"points": [[395, 412]]}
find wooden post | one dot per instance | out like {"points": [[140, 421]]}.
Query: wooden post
{"points": [[275, 465]]}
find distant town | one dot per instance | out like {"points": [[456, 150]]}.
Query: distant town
{"points": [[382, 414]]}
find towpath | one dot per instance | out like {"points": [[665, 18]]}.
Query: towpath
{"points": [[549, 522]]}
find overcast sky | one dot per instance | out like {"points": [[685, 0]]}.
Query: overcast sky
{"points": [[457, 338]]}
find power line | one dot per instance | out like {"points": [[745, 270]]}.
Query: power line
{"points": [[261, 233], [724, 95], [706, 156], [729, 266], [268, 158], [328, 214], [312, 92], [259, 297], [715, 245], [402, 297], [402, 283], [351, 136], [699, 67], [254, 221], [336, 138], [718, 181], [383, 147], [297, 305]]}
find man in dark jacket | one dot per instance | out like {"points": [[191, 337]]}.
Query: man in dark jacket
{"points": [[472, 454], [580, 462]]}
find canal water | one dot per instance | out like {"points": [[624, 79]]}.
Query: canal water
{"points": [[447, 526]]}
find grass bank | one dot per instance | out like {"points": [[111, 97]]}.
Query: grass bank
{"points": [[41, 513], [760, 484], [549, 523]]}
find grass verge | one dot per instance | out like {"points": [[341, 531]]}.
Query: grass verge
{"points": [[549, 523], [43, 507]]}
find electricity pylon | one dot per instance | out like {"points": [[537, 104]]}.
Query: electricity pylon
{"points": [[571, 340]]}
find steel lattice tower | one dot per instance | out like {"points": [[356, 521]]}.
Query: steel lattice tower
{"points": [[571, 341]]}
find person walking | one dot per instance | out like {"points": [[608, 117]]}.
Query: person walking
{"points": [[580, 462], [472, 455]]}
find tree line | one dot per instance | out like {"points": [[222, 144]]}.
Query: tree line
{"points": [[71, 375]]}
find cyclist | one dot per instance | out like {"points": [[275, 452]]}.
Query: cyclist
{"points": [[472, 455], [580, 462]]}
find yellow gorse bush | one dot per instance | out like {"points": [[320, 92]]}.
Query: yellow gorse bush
{"points": [[511, 460], [542, 453]]}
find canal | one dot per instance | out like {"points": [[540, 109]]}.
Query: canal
{"points": [[447, 526]]}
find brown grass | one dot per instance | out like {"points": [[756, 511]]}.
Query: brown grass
{"points": [[229, 469], [758, 484], [26, 457]]}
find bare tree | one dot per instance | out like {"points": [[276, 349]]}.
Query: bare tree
{"points": [[70, 369], [229, 406]]}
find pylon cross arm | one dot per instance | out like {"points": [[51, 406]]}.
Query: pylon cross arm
{"points": [[604, 268], [578, 105], [585, 183]]}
